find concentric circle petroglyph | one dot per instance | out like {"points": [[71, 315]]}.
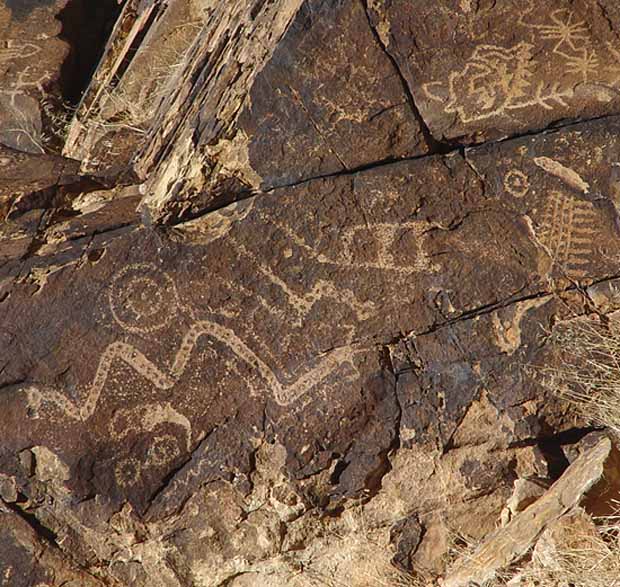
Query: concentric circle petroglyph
{"points": [[143, 299], [516, 183]]}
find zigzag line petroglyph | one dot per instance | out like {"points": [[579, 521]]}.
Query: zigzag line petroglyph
{"points": [[304, 303], [566, 232], [127, 353]]}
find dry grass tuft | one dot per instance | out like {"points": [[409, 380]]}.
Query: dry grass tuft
{"points": [[589, 375]]}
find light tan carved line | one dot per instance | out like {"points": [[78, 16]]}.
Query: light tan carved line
{"points": [[325, 260], [303, 304], [567, 231], [284, 394]]}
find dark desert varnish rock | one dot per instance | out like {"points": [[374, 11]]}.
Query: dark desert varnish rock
{"points": [[323, 292]]}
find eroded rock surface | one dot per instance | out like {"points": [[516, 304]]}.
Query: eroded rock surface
{"points": [[292, 319]]}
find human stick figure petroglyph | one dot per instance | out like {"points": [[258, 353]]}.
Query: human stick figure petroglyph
{"points": [[572, 41]]}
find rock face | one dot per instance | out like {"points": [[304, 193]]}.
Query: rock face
{"points": [[281, 278]]}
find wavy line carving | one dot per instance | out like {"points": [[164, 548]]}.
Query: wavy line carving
{"points": [[166, 379]]}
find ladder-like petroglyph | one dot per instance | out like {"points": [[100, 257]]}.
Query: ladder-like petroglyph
{"points": [[567, 230]]}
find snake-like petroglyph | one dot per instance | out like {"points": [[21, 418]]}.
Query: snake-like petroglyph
{"points": [[165, 379]]}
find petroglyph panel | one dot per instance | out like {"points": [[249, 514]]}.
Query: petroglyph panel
{"points": [[271, 319], [311, 108], [511, 66], [564, 191], [31, 56]]}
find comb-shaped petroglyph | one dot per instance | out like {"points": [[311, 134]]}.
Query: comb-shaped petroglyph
{"points": [[567, 229], [495, 81]]}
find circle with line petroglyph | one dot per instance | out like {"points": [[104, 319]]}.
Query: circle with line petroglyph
{"points": [[143, 299], [516, 183]]}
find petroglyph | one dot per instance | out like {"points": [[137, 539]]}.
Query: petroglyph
{"points": [[570, 177], [573, 42], [496, 80], [569, 33], [15, 50], [303, 303], [385, 235], [566, 232], [149, 416], [128, 471], [142, 299], [516, 183], [166, 379]]}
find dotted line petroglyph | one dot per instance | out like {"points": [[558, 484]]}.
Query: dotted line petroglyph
{"points": [[166, 379]]}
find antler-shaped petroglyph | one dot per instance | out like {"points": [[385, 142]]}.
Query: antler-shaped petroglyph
{"points": [[166, 379]]}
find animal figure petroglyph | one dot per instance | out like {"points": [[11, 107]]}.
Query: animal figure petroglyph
{"points": [[384, 234], [16, 50]]}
